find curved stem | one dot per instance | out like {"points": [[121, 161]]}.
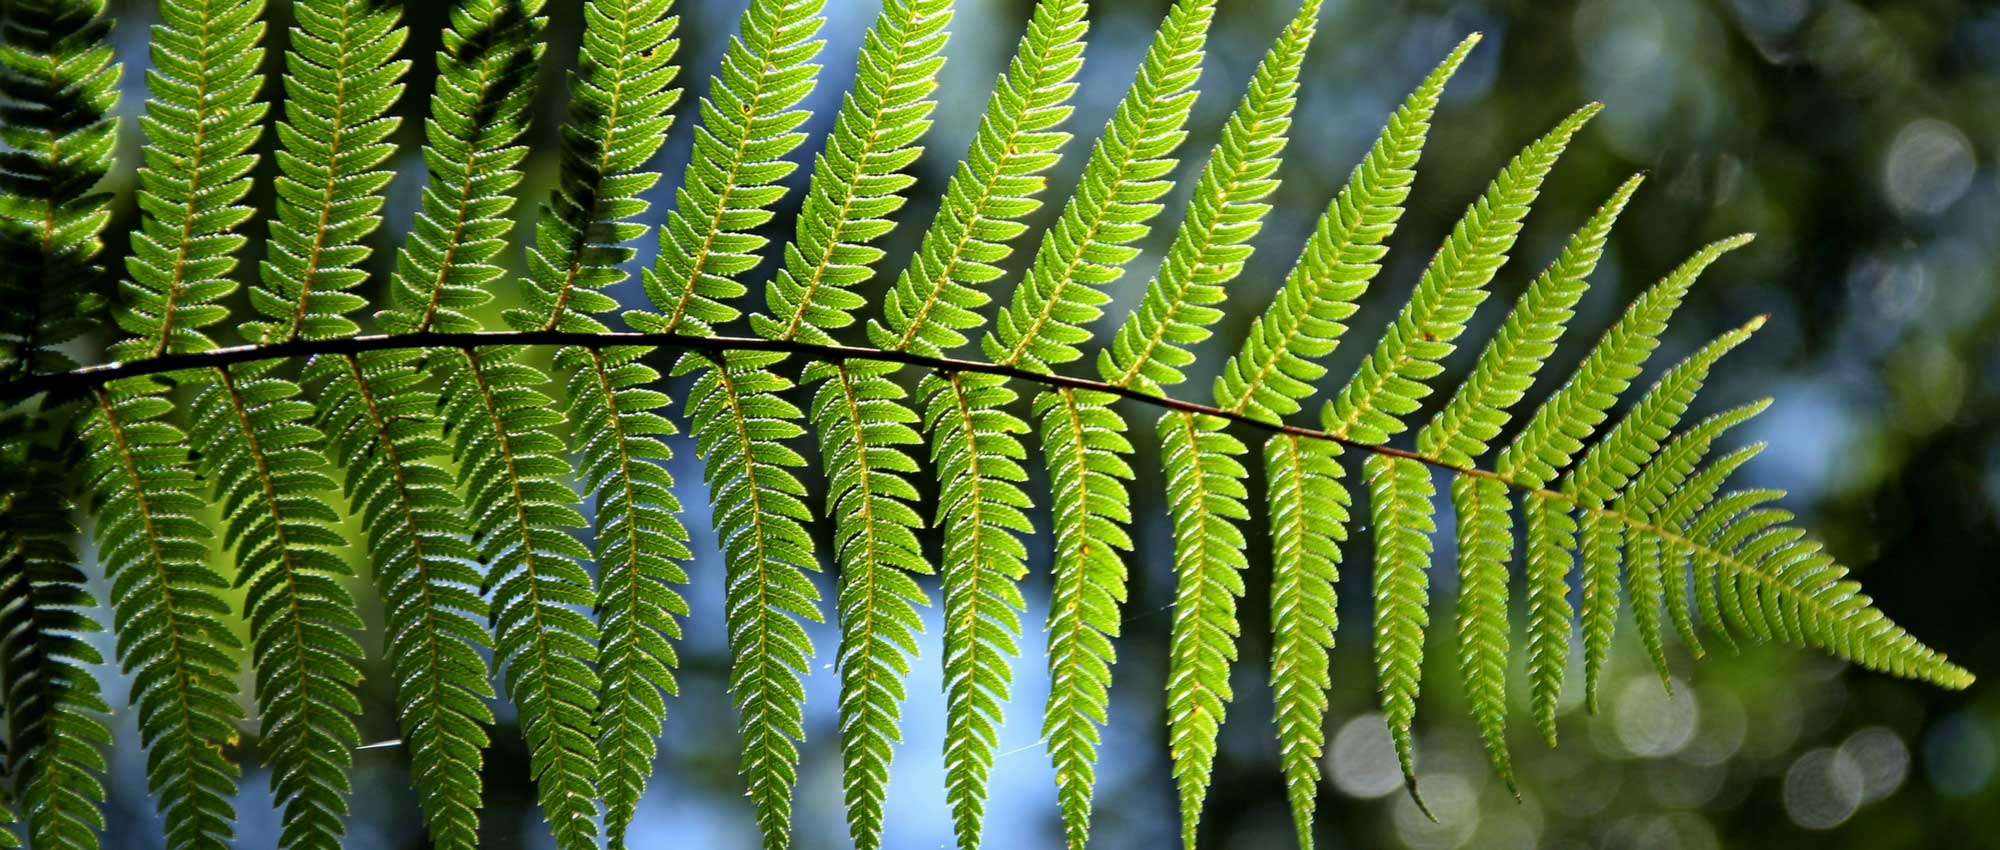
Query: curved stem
{"points": [[91, 377]]}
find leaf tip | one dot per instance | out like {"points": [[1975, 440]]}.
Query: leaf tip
{"points": [[1410, 785]]}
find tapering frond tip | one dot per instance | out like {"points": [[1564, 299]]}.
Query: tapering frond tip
{"points": [[1417, 797]]}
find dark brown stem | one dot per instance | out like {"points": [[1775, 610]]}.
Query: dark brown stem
{"points": [[90, 377]]}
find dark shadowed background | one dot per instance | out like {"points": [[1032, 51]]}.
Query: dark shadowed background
{"points": [[1857, 139]]}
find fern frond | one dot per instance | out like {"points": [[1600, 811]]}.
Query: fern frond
{"points": [[1309, 516], [272, 481], [749, 123], [1400, 497], [1214, 241], [167, 610], [1206, 496], [1699, 490], [1551, 534], [981, 507], [1602, 475], [1085, 447], [1485, 547], [1646, 496], [1556, 432], [1459, 433], [53, 703], [1390, 384], [251, 429], [863, 427], [996, 186], [1112, 207], [619, 114], [740, 426], [1275, 368], [200, 124], [342, 79], [857, 180], [1089, 247], [1084, 439], [485, 84], [56, 143], [515, 473], [1552, 437], [381, 421], [620, 106], [640, 547], [1775, 582], [860, 417]]}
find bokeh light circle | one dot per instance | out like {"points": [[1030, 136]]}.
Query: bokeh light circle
{"points": [[1363, 759], [1882, 757], [1822, 789], [1928, 166], [1652, 723]]}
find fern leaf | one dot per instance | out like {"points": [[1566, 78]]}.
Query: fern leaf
{"points": [[1084, 439], [514, 471], [640, 547], [1460, 433], [167, 610], [1390, 384], [1556, 432], [1400, 502], [1085, 446], [7, 820], [1646, 496], [1551, 534], [53, 702], [996, 186], [1309, 516], [856, 185], [1205, 496], [1089, 247], [741, 424], [486, 75], [1678, 512], [750, 120], [981, 507], [1485, 546], [619, 114], [1775, 582], [252, 430], [56, 143], [857, 180], [1092, 241], [1214, 240], [200, 124], [931, 303], [272, 482], [1276, 368], [343, 78], [863, 426], [1602, 475], [380, 418]]}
